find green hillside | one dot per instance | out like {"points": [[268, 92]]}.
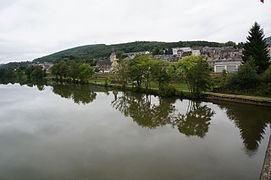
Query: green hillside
{"points": [[93, 53]]}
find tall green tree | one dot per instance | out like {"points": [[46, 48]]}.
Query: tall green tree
{"points": [[196, 72], [73, 69], [86, 71], [140, 70], [161, 72], [256, 48], [121, 73], [35, 73]]}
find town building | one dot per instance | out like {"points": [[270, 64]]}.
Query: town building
{"points": [[214, 54], [167, 57], [104, 66], [113, 60], [185, 51], [229, 66], [107, 65], [46, 66], [220, 58], [133, 55]]}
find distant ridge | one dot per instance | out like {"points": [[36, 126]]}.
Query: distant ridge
{"points": [[93, 53]]}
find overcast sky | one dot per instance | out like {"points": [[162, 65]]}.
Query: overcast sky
{"points": [[34, 28]]}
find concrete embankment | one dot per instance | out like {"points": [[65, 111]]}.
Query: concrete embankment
{"points": [[266, 171], [262, 101]]}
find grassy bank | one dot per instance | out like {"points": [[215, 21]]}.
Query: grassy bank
{"points": [[182, 92]]}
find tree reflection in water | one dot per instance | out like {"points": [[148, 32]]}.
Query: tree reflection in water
{"points": [[78, 93], [251, 122], [143, 112], [196, 121], [40, 84], [147, 114]]}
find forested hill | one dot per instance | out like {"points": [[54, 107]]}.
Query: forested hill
{"points": [[93, 53]]}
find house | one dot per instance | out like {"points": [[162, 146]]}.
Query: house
{"points": [[167, 57], [104, 66], [215, 53], [181, 52], [133, 55], [107, 65], [230, 66], [45, 66], [185, 51]]}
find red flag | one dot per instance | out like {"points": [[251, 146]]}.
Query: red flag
{"points": [[262, 1]]}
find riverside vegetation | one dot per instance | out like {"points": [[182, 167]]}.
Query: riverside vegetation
{"points": [[191, 74]]}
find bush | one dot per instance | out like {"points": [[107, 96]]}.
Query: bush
{"points": [[266, 76], [245, 79], [167, 91], [264, 90]]}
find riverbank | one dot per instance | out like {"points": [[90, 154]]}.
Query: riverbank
{"points": [[266, 170], [209, 96]]}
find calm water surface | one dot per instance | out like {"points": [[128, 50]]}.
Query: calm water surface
{"points": [[87, 133]]}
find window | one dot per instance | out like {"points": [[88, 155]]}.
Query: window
{"points": [[219, 69], [231, 69]]}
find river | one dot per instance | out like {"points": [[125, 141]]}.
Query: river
{"points": [[69, 132]]}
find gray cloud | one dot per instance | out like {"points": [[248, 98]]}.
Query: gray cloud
{"points": [[34, 28]]}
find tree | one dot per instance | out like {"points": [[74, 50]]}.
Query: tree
{"points": [[73, 69], [265, 88], [35, 73], [60, 70], [256, 48], [266, 76], [196, 72], [7, 75], [161, 72], [139, 70], [86, 71], [121, 73], [246, 77], [38, 73], [230, 43]]}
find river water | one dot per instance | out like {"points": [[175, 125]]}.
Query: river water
{"points": [[68, 132]]}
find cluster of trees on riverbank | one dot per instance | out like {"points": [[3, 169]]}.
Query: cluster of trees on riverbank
{"points": [[254, 76], [22, 74], [144, 70], [72, 71]]}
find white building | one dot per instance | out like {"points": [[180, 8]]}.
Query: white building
{"points": [[133, 55], [228, 66], [113, 60], [196, 52], [185, 51], [181, 51]]}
